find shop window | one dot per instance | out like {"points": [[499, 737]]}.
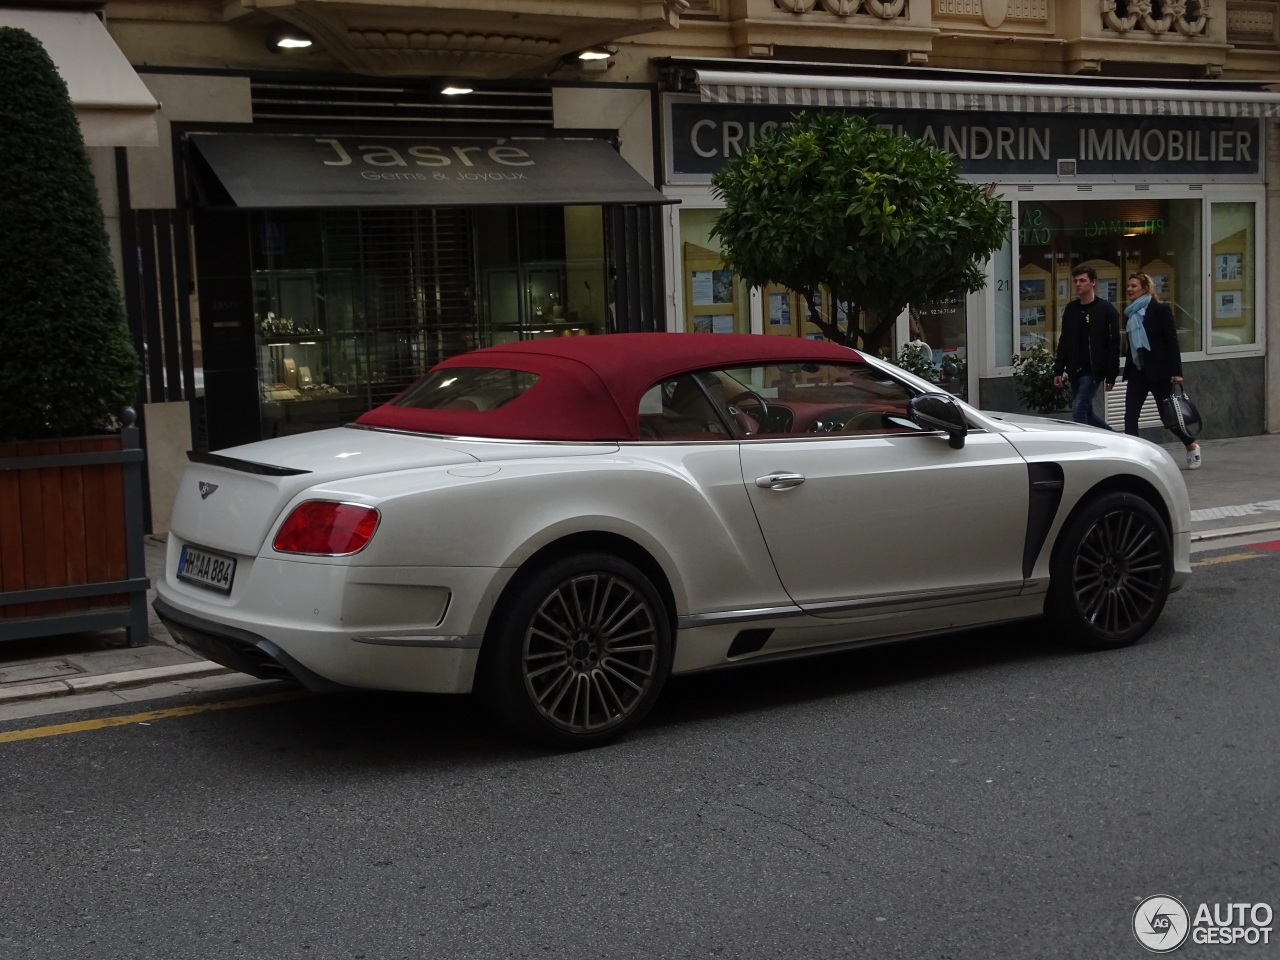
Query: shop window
{"points": [[1232, 276], [541, 273], [715, 298], [352, 306], [938, 330], [1115, 237]]}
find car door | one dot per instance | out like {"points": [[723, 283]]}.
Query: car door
{"points": [[863, 510]]}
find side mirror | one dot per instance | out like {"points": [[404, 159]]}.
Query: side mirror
{"points": [[939, 411]]}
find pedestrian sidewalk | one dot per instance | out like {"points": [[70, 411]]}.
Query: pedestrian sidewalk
{"points": [[1236, 493]]}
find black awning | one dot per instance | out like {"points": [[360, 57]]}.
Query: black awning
{"points": [[274, 171]]}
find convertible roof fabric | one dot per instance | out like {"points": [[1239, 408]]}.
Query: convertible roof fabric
{"points": [[589, 388]]}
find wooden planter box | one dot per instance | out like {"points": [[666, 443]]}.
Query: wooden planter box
{"points": [[71, 554]]}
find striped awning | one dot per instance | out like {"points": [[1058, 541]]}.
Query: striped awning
{"points": [[1197, 99]]}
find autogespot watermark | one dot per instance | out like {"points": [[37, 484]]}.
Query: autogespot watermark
{"points": [[1162, 924]]}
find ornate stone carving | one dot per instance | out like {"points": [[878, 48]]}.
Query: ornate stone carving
{"points": [[958, 8], [994, 12], [1029, 10], [1111, 17], [1195, 25], [1251, 25], [1173, 14], [456, 44], [883, 9], [1035, 10]]}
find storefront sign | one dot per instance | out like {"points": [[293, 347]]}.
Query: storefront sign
{"points": [[275, 171], [1013, 145]]}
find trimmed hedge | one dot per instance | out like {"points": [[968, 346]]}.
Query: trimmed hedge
{"points": [[67, 364]]}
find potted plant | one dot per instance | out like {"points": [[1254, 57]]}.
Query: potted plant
{"points": [[1033, 379], [913, 359], [67, 368]]}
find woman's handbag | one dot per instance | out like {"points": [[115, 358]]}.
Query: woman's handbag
{"points": [[1177, 412]]}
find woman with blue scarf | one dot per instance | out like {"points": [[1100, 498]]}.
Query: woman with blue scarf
{"points": [[1153, 360]]}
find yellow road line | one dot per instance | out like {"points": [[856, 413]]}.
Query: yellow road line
{"points": [[58, 729], [1227, 558]]}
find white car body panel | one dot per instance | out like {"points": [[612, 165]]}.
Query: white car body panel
{"points": [[842, 534], [887, 537]]}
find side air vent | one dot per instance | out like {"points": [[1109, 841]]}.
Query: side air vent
{"points": [[1046, 482], [749, 641]]}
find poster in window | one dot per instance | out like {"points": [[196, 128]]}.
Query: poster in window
{"points": [[702, 289], [1031, 316], [722, 286], [779, 310], [1107, 289], [1031, 289], [722, 323], [1228, 267], [1228, 305]]}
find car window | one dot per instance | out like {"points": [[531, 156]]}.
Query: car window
{"points": [[781, 400], [678, 409], [466, 388]]}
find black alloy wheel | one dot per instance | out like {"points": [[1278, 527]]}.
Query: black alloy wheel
{"points": [[580, 652], [1110, 573]]}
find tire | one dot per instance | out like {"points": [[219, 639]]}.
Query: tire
{"points": [[1110, 573], [579, 651]]}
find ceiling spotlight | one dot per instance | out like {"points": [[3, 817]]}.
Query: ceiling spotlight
{"points": [[594, 59], [456, 88], [287, 38], [596, 53]]}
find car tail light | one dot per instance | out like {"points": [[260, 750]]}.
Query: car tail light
{"points": [[327, 528]]}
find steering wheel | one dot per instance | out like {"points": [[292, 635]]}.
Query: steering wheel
{"points": [[749, 423], [867, 419]]}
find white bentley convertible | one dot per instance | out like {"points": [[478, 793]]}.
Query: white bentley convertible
{"points": [[561, 524]]}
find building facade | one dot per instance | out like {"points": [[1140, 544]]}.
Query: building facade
{"points": [[303, 230]]}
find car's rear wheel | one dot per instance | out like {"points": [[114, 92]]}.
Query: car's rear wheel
{"points": [[579, 652], [1110, 573]]}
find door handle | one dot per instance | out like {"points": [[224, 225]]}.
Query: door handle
{"points": [[780, 481]]}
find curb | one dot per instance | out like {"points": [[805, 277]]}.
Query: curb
{"points": [[45, 689], [1244, 530]]}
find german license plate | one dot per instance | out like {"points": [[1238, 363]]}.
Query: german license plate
{"points": [[206, 569]]}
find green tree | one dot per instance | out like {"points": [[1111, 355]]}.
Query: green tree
{"points": [[880, 219], [67, 364]]}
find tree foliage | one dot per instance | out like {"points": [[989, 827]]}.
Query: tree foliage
{"points": [[67, 364], [880, 219]]}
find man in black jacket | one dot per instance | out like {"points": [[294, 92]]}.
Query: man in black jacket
{"points": [[1088, 346]]}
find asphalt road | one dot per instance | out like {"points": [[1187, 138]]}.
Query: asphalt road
{"points": [[986, 795]]}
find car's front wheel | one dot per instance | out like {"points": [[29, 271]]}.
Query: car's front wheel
{"points": [[579, 652], [1110, 573]]}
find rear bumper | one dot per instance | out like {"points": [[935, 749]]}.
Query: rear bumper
{"points": [[239, 649], [319, 658]]}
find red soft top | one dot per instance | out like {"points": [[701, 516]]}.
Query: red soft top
{"points": [[589, 388]]}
